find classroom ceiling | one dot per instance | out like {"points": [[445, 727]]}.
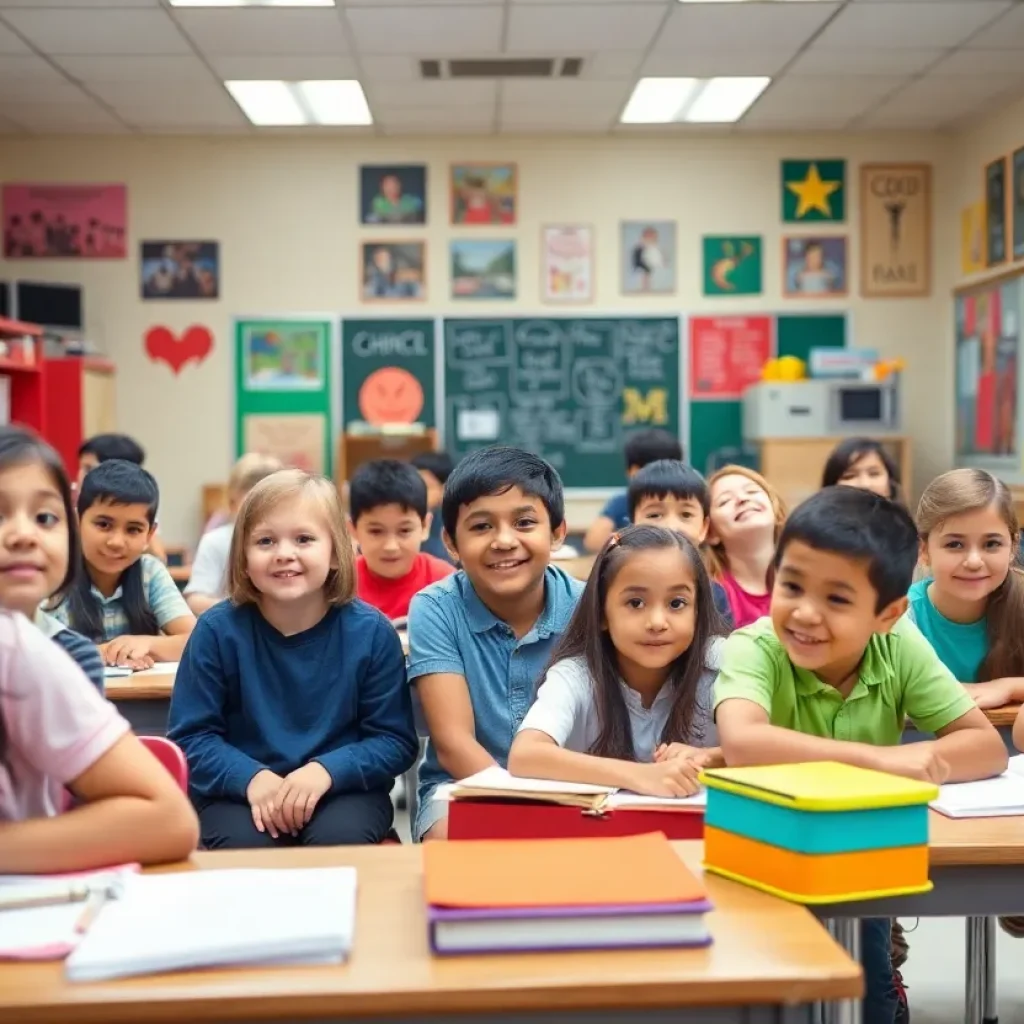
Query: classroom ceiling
{"points": [[144, 66]]}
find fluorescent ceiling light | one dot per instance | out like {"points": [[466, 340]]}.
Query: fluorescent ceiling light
{"points": [[724, 100], [276, 104], [252, 3], [697, 100], [659, 100]]}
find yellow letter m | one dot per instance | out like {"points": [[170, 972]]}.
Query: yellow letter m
{"points": [[649, 408]]}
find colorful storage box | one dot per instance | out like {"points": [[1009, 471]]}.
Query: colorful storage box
{"points": [[818, 833]]}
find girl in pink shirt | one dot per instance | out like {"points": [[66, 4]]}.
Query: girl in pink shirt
{"points": [[747, 514], [57, 733]]}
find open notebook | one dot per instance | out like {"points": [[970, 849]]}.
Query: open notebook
{"points": [[496, 783], [1000, 797], [223, 918]]}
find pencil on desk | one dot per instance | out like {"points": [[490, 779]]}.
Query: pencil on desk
{"points": [[23, 898], [92, 908]]}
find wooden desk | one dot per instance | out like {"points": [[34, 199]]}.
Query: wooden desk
{"points": [[144, 698], [1003, 718], [769, 961], [181, 574]]}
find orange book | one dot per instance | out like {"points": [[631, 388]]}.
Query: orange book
{"points": [[618, 872]]}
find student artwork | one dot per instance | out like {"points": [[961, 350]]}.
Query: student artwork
{"points": [[393, 194], [995, 212], [180, 270], [972, 238], [162, 345], [814, 267], [895, 230], [732, 266], [1017, 204], [648, 255], [484, 193], [393, 271], [65, 221], [390, 395], [813, 191], [567, 272], [283, 357], [296, 440], [483, 270]]}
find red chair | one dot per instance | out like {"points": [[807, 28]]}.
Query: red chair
{"points": [[170, 756]]}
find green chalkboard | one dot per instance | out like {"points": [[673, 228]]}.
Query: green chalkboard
{"points": [[404, 391], [283, 390], [569, 389], [797, 333]]}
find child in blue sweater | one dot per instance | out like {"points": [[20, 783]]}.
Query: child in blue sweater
{"points": [[291, 702]]}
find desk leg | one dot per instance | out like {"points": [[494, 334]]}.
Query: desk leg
{"points": [[846, 931], [974, 983], [989, 1007]]}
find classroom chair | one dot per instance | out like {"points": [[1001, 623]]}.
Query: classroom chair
{"points": [[169, 754]]}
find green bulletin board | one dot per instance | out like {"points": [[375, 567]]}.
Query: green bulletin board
{"points": [[719, 424], [283, 390], [387, 372]]}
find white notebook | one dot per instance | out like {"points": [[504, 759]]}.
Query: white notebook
{"points": [[224, 918], [1000, 797]]}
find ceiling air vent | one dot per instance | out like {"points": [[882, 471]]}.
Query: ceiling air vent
{"points": [[503, 67]]}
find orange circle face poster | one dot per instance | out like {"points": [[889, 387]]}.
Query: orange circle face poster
{"points": [[390, 395]]}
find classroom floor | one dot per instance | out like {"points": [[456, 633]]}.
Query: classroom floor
{"points": [[935, 971]]}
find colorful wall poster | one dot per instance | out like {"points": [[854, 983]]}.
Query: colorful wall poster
{"points": [[1017, 204], [567, 263], [813, 191], [732, 265], [65, 221], [393, 271], [180, 270], [297, 440], [393, 194], [972, 238], [895, 231], [484, 193], [727, 354], [995, 211], [483, 270], [814, 267], [988, 350], [284, 356], [647, 254]]}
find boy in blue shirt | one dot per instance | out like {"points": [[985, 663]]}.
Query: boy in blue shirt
{"points": [[480, 639], [834, 673], [641, 450]]}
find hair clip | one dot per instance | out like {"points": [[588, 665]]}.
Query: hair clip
{"points": [[614, 539]]}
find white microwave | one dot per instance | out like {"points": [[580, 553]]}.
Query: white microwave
{"points": [[821, 408]]}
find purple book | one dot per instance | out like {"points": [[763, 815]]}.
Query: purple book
{"points": [[563, 929]]}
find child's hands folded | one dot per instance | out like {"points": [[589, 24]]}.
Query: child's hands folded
{"points": [[128, 652], [300, 792], [266, 808]]}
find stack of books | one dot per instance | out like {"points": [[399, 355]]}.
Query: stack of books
{"points": [[1001, 797], [495, 805], [561, 894], [818, 833]]}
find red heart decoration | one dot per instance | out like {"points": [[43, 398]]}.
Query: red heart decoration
{"points": [[162, 345]]}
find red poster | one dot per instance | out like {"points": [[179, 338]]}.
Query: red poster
{"points": [[727, 354]]}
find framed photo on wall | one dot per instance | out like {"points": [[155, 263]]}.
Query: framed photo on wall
{"points": [[393, 194], [814, 266], [180, 270], [648, 257], [393, 271], [995, 211], [567, 263], [484, 194], [1017, 204], [483, 270]]}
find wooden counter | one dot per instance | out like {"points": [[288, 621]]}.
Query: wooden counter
{"points": [[765, 951]]}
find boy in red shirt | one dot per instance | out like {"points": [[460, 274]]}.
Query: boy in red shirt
{"points": [[389, 519]]}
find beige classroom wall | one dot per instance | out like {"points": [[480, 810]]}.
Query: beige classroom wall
{"points": [[284, 210]]}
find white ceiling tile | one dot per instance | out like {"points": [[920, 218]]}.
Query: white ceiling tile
{"points": [[664, 63], [793, 126], [141, 115], [37, 89], [10, 128], [194, 95], [427, 31], [711, 27], [982, 62], [181, 68], [1006, 33], [819, 61], [950, 97], [612, 64], [101, 31], [433, 94], [10, 43], [350, 4], [636, 3], [60, 117], [560, 92], [390, 67], [895, 25], [264, 30], [29, 70], [42, 4], [572, 28], [288, 68], [822, 96], [527, 117], [431, 120]]}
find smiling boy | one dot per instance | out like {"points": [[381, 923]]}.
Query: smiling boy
{"points": [[480, 639], [834, 672], [389, 519]]}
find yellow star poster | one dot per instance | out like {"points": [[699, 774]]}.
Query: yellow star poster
{"points": [[813, 191]]}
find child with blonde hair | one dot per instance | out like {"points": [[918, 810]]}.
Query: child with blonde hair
{"points": [[208, 583], [327, 724], [746, 518]]}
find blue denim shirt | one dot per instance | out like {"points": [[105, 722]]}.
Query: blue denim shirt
{"points": [[451, 630]]}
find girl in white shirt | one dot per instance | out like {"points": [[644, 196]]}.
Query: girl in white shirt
{"points": [[627, 699]]}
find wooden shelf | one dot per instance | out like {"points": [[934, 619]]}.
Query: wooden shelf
{"points": [[17, 366], [19, 327]]}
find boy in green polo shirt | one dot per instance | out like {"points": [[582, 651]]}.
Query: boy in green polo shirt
{"points": [[834, 672]]}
